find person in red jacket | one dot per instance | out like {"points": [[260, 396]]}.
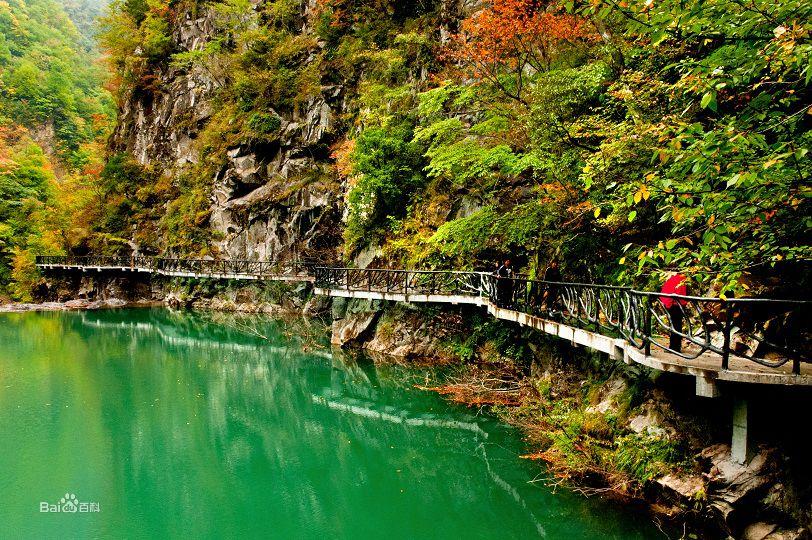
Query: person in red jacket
{"points": [[675, 284]]}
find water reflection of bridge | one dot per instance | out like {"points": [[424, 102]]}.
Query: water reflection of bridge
{"points": [[355, 389], [171, 335], [406, 418], [393, 415]]}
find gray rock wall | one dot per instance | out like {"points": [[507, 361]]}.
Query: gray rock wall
{"points": [[269, 201]]}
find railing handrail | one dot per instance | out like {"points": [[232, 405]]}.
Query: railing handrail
{"points": [[400, 271]]}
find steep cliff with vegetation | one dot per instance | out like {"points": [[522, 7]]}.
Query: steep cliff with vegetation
{"points": [[620, 139]]}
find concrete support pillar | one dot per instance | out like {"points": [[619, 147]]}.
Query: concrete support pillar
{"points": [[706, 387], [738, 447]]}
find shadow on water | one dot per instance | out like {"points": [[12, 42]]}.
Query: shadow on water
{"points": [[192, 425]]}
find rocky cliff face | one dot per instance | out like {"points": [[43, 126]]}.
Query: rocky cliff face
{"points": [[269, 201]]}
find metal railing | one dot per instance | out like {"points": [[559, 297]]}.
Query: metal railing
{"points": [[96, 261], [427, 282], [199, 267], [768, 332], [235, 267]]}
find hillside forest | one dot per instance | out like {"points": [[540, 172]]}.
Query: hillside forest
{"points": [[623, 139], [55, 115]]}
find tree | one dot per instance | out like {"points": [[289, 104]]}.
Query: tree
{"points": [[510, 40]]}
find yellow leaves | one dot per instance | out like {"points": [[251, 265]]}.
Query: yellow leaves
{"points": [[770, 163], [711, 220], [622, 260], [642, 193], [597, 212]]}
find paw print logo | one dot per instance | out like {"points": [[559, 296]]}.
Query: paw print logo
{"points": [[69, 503]]}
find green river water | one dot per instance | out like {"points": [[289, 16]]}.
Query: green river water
{"points": [[184, 425]]}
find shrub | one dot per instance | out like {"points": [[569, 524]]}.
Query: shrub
{"points": [[264, 124], [388, 168]]}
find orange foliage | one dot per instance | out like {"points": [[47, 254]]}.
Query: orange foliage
{"points": [[338, 11], [465, 395], [341, 154], [513, 35]]}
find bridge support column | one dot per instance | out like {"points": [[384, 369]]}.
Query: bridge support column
{"points": [[738, 447], [706, 387]]}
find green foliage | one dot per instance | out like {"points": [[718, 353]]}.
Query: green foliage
{"points": [[24, 275], [726, 183], [681, 142], [128, 195], [484, 336], [48, 80], [645, 457], [84, 14], [24, 186], [466, 152], [264, 125], [185, 224], [136, 9], [387, 165], [135, 34]]}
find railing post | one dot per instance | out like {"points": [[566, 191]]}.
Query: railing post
{"points": [[647, 324], [727, 327]]}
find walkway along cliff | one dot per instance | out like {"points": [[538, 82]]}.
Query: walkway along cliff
{"points": [[747, 341]]}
